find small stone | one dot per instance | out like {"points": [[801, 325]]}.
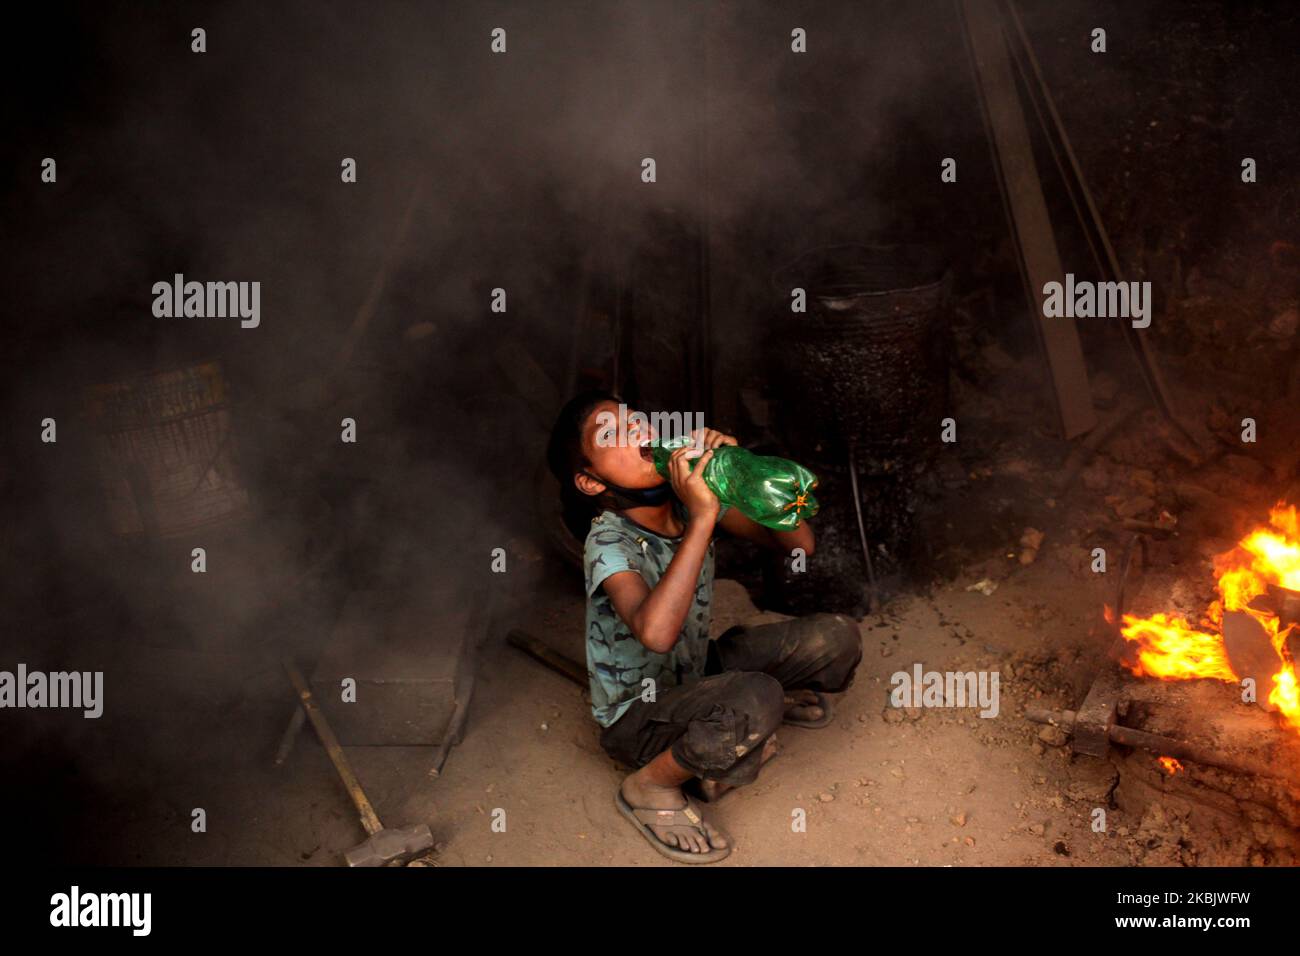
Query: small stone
{"points": [[970, 841], [1132, 507], [959, 820], [892, 715], [825, 797], [1053, 736], [1284, 324], [1037, 829], [545, 727], [1038, 748], [913, 713]]}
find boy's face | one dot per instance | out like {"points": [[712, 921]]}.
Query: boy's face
{"points": [[622, 459]]}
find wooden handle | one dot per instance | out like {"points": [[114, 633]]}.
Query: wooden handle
{"points": [[369, 819]]}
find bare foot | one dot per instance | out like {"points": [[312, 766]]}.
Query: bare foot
{"points": [[643, 795], [802, 705], [712, 789]]}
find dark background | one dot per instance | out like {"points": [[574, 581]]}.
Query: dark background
{"points": [[225, 166]]}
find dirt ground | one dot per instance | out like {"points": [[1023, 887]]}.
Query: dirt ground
{"points": [[879, 786], [198, 728]]}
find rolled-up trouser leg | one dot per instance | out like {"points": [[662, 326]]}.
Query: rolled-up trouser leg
{"points": [[816, 652], [715, 726]]}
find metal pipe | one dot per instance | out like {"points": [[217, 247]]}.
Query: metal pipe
{"points": [[873, 597]]}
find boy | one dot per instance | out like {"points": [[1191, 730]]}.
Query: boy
{"points": [[672, 703]]}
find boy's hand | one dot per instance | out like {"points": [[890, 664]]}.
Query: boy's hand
{"points": [[708, 438], [700, 501]]}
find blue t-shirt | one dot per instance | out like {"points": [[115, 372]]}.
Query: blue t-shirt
{"points": [[617, 663]]}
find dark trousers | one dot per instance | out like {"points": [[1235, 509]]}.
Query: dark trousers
{"points": [[716, 725]]}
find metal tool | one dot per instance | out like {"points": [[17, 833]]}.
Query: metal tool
{"points": [[873, 591], [382, 845], [1117, 733]]}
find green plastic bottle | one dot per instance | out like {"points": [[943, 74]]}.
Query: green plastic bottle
{"points": [[774, 492]]}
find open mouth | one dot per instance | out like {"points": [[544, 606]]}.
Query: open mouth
{"points": [[646, 454]]}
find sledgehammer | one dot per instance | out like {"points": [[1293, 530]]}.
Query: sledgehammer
{"points": [[383, 845]]}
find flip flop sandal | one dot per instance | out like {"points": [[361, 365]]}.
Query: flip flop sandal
{"points": [[827, 716], [689, 817]]}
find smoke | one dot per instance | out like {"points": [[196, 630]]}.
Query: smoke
{"points": [[225, 166]]}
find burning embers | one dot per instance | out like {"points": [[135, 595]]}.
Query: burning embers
{"points": [[1250, 632]]}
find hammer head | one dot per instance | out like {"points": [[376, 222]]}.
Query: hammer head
{"points": [[389, 845]]}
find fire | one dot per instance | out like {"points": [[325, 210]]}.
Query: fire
{"points": [[1171, 648], [1170, 765]]}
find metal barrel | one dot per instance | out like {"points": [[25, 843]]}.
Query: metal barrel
{"points": [[867, 362]]}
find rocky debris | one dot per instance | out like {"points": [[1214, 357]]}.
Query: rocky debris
{"points": [[1053, 736], [1030, 542], [1134, 507], [1283, 325], [1091, 782]]}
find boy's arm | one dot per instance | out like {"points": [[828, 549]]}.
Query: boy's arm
{"points": [[656, 615], [784, 541]]}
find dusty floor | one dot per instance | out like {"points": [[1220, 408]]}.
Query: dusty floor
{"points": [[879, 787], [931, 787]]}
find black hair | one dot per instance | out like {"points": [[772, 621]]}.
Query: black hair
{"points": [[565, 458]]}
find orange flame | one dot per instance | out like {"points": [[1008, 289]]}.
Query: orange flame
{"points": [[1170, 765], [1170, 648]]}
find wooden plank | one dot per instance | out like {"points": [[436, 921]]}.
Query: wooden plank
{"points": [[1030, 222], [1106, 260]]}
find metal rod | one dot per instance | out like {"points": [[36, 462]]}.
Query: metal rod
{"points": [[455, 728], [1163, 746], [290, 735], [873, 596]]}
